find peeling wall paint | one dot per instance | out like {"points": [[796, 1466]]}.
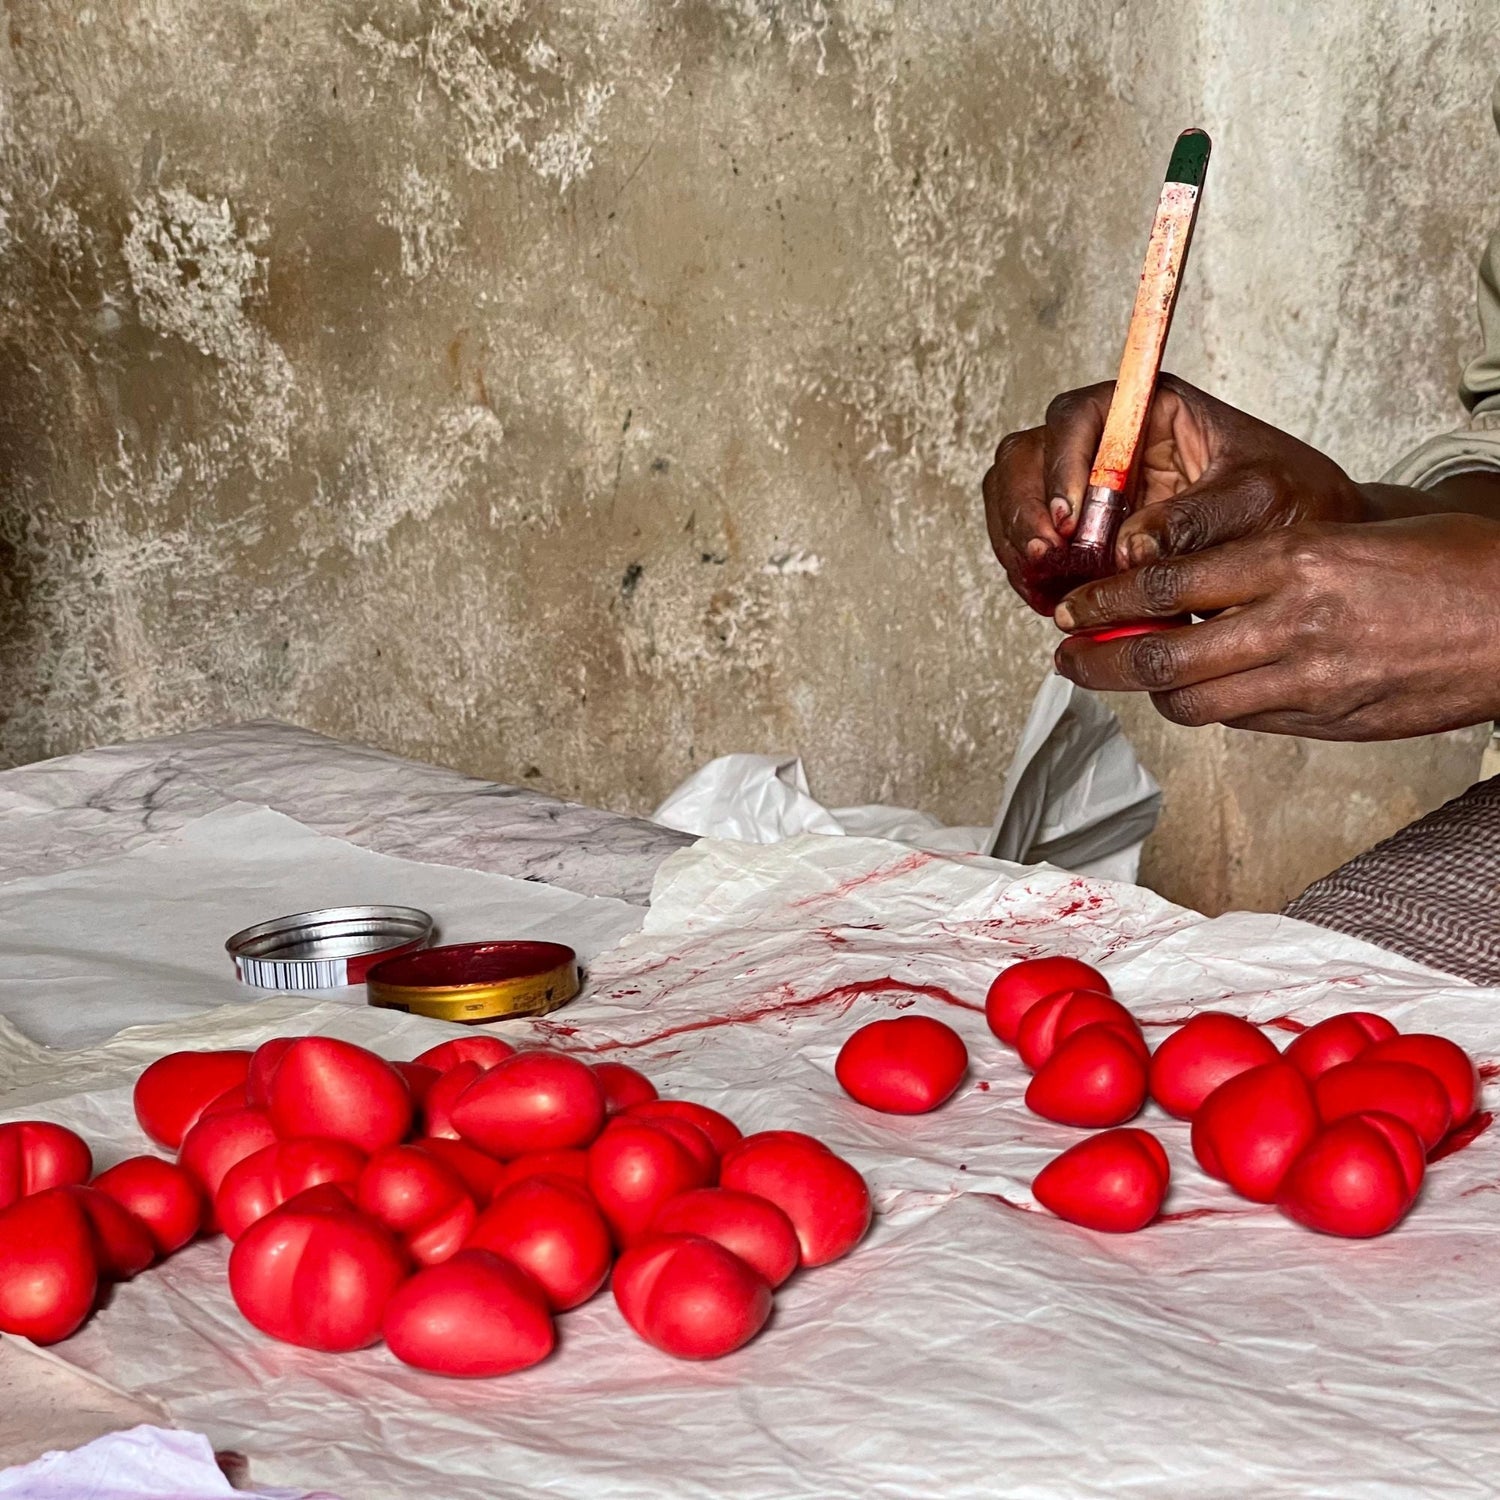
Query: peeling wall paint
{"points": [[572, 393]]}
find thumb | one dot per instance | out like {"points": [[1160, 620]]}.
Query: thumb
{"points": [[1222, 505]]}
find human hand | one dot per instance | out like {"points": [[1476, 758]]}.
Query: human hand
{"points": [[1209, 473], [1337, 632]]}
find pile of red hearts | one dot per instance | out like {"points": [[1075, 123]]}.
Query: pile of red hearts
{"points": [[453, 1205], [1336, 1131]]}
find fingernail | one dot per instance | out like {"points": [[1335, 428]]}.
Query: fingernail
{"points": [[1143, 549], [1061, 511], [1036, 547], [1064, 616]]}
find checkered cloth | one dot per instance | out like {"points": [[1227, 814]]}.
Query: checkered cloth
{"points": [[1430, 892]]}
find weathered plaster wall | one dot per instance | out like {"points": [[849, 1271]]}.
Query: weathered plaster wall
{"points": [[574, 392]]}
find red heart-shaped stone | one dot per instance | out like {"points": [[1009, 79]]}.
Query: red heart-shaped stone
{"points": [[36, 1155], [1200, 1055], [267, 1178], [721, 1131], [1253, 1126], [123, 1246], [1393, 1088], [903, 1066], [633, 1168], [1339, 1039], [534, 1101], [1357, 1178], [475, 1315], [326, 1087], [690, 1297], [1056, 1018], [422, 1201], [316, 1272], [1094, 1079], [48, 1273], [1445, 1060], [554, 1231], [1020, 986], [175, 1089], [826, 1199], [479, 1048], [480, 1173], [623, 1086], [750, 1227], [161, 1195], [1115, 1181], [216, 1143]]}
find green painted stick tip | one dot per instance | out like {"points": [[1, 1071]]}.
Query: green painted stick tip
{"points": [[1189, 160]]}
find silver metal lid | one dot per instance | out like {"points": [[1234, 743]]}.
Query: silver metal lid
{"points": [[326, 949]]}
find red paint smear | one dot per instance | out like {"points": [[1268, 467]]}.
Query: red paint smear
{"points": [[904, 866], [1010, 1203], [1489, 1071], [840, 993], [1285, 1023], [1188, 1215], [983, 1086], [1465, 1135]]}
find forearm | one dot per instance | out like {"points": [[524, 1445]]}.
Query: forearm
{"points": [[1476, 493]]}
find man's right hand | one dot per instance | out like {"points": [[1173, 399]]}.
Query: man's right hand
{"points": [[1209, 473]]}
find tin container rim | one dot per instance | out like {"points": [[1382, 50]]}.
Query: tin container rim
{"points": [[395, 975], [367, 928]]}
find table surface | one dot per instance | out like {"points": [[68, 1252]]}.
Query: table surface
{"points": [[72, 811]]}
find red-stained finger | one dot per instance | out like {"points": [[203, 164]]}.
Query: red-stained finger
{"points": [[1165, 660], [1198, 583], [1015, 507], [1075, 422], [1219, 508]]}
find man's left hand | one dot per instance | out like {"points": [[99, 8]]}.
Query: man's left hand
{"points": [[1336, 632]]}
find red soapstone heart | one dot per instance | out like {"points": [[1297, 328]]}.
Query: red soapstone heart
{"points": [[161, 1195], [475, 1315], [534, 1101], [419, 1199], [752, 1228], [1445, 1060], [263, 1181], [175, 1089], [1200, 1055], [690, 1297], [1394, 1088], [824, 1197], [554, 1231], [570, 1166], [1339, 1039], [721, 1131], [694, 1142], [1094, 1079], [1020, 986], [419, 1081], [1056, 1018], [1252, 1127], [263, 1064], [1114, 1182], [48, 1273], [623, 1086], [634, 1167], [904, 1066], [480, 1173], [316, 1272], [326, 1087], [214, 1145], [1358, 1178], [437, 1107], [36, 1155], [481, 1049], [123, 1246], [227, 1103]]}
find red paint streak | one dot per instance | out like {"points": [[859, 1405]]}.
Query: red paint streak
{"points": [[1484, 1187], [840, 994], [983, 1086], [837, 939], [1465, 1135], [1489, 1072], [903, 866], [1010, 1203], [1285, 1023]]}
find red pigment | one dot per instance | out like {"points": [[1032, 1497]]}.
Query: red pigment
{"points": [[1489, 1071], [1049, 579], [1187, 1215], [1465, 1135], [904, 866], [839, 993]]}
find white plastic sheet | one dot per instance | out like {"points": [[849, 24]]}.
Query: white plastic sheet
{"points": [[1075, 796], [973, 1346]]}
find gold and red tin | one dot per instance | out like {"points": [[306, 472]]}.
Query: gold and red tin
{"points": [[475, 982]]}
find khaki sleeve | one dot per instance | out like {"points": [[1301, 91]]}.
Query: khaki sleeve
{"points": [[1476, 445]]}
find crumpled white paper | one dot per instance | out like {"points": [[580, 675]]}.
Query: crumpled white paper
{"points": [[973, 1346], [143, 1463], [1075, 796]]}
